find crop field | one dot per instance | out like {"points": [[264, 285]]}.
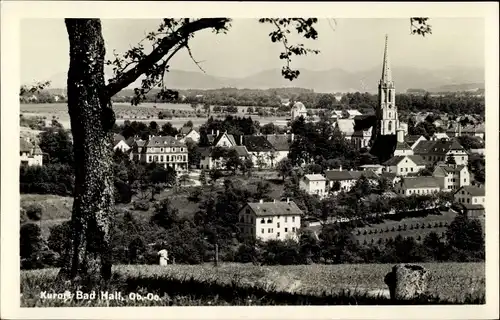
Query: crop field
{"points": [[181, 113], [244, 284]]}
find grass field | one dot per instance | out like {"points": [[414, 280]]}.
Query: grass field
{"points": [[242, 284], [144, 112]]}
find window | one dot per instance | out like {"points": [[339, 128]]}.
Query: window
{"points": [[278, 234], [463, 158], [286, 219], [465, 179], [401, 169], [411, 169], [167, 158], [293, 219], [263, 220], [262, 231], [150, 159], [468, 200], [182, 149], [286, 229], [390, 115], [278, 225], [269, 220], [174, 149], [389, 127], [293, 229], [161, 158], [184, 158], [270, 230], [406, 169], [475, 200]]}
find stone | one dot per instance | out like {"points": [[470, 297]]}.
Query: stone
{"points": [[406, 281]]}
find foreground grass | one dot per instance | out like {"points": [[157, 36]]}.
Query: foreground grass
{"points": [[240, 284]]}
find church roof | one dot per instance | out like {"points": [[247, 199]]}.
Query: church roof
{"points": [[386, 67]]}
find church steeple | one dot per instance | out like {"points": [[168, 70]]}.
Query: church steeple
{"points": [[386, 66], [387, 112]]}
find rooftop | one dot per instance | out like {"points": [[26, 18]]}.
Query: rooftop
{"points": [[473, 191], [314, 177], [278, 208], [420, 182]]}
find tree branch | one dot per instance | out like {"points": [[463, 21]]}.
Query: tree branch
{"points": [[165, 45]]}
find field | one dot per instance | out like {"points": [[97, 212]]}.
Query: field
{"points": [[57, 209], [144, 112], [243, 284]]}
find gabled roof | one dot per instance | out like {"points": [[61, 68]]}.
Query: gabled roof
{"points": [[402, 146], [185, 130], [473, 191], [420, 182], [163, 141], [335, 175], [257, 144], [424, 147], [230, 137], [117, 138], [278, 208], [314, 177], [388, 175], [280, 142], [451, 169], [241, 150], [418, 160], [444, 146], [474, 128], [25, 146], [411, 139]]}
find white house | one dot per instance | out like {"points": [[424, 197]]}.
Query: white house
{"points": [[278, 220], [346, 126], [473, 199], [417, 185], [439, 135], [404, 165], [261, 151], [314, 184], [377, 168], [343, 180], [452, 177], [119, 143], [361, 138], [298, 110], [31, 155], [403, 149], [164, 150], [351, 113], [189, 133], [438, 151]]}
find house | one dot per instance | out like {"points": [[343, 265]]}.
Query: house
{"points": [[281, 144], [314, 184], [346, 126], [298, 110], [189, 133], [452, 177], [439, 136], [336, 114], [391, 177], [261, 151], [343, 180], [31, 154], [223, 139], [435, 151], [403, 149], [417, 185], [377, 168], [164, 150], [413, 140], [404, 165], [351, 113], [475, 130], [361, 138], [276, 220], [472, 198], [208, 159], [122, 144]]}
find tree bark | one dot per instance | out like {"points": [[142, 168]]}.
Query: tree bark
{"points": [[88, 259]]}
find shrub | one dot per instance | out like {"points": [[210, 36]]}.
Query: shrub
{"points": [[142, 205], [34, 212], [31, 244]]}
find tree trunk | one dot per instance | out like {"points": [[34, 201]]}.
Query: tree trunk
{"points": [[89, 254]]}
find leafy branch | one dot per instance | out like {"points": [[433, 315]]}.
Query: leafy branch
{"points": [[32, 89], [420, 26], [303, 27]]}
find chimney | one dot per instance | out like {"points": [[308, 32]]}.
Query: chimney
{"points": [[287, 200], [401, 135], [340, 168], [261, 201], [241, 140]]}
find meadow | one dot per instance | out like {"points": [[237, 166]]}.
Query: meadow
{"points": [[145, 112], [247, 284]]}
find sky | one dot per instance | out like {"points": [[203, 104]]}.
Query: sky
{"points": [[349, 44]]}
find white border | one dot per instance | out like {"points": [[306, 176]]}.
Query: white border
{"points": [[13, 11]]}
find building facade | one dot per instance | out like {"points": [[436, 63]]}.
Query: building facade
{"points": [[314, 184], [276, 220], [164, 150], [452, 177], [30, 154], [417, 185]]}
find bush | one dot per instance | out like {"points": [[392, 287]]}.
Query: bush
{"points": [[34, 212], [142, 205], [31, 245]]}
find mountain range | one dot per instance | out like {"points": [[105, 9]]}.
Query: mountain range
{"points": [[325, 81]]}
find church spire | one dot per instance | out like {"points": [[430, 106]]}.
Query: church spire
{"points": [[386, 67]]}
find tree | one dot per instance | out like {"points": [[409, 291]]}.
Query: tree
{"points": [[203, 178], [466, 239], [92, 118], [284, 168], [165, 215], [184, 179], [57, 146], [31, 244]]}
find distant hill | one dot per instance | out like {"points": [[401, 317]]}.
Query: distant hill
{"points": [[326, 81]]}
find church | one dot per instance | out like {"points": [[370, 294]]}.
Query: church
{"points": [[381, 132]]}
